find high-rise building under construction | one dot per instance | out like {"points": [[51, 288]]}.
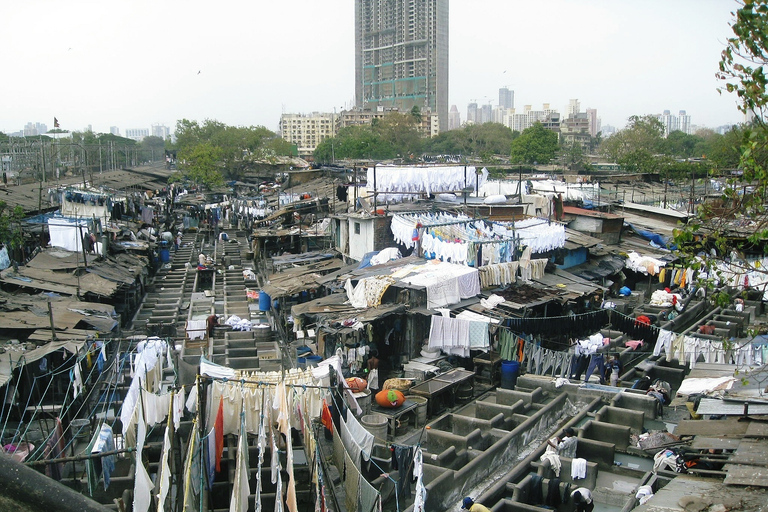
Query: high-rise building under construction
{"points": [[401, 55]]}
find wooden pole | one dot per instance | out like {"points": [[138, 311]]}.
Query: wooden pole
{"points": [[50, 317], [74, 458]]}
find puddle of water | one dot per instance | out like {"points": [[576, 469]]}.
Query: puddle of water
{"points": [[623, 486], [602, 507], [634, 462]]}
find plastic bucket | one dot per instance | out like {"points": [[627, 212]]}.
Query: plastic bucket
{"points": [[364, 401], [421, 409], [165, 255], [465, 391], [509, 372], [376, 424], [264, 301]]}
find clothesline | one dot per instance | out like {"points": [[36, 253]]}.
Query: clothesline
{"points": [[261, 383], [75, 458], [450, 223]]}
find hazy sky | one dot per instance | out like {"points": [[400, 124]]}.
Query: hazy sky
{"points": [[133, 63]]}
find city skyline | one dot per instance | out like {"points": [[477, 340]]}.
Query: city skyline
{"points": [[248, 71]]}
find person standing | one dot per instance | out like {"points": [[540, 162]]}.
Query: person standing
{"points": [[565, 444], [613, 370], [469, 504], [211, 322]]}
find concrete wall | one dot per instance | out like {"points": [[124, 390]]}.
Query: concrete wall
{"points": [[573, 258], [382, 234], [620, 416], [361, 236], [617, 435], [450, 487], [636, 401], [596, 451]]}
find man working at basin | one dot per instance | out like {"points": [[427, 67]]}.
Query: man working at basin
{"points": [[469, 504], [565, 444], [582, 500]]}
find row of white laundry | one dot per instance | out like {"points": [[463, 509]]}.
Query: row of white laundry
{"points": [[688, 349], [426, 180]]}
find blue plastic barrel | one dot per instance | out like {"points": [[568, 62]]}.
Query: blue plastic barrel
{"points": [[313, 360], [164, 253], [264, 301], [509, 372]]}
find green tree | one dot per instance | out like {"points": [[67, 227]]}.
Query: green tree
{"points": [[721, 233], [639, 147], [535, 145], [478, 140], [355, 142], [723, 151], [385, 138], [11, 230], [401, 133], [240, 148], [681, 145], [573, 155], [201, 164], [152, 148]]}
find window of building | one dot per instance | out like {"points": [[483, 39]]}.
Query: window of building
{"points": [[357, 228]]}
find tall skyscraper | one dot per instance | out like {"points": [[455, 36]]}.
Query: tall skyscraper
{"points": [[506, 98], [594, 122], [472, 114], [454, 118], [486, 114], [574, 107], [401, 55], [160, 130]]}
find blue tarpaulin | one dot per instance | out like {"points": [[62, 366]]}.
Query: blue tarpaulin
{"points": [[654, 238], [366, 261]]}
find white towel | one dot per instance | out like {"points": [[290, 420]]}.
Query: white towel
{"points": [[554, 461], [578, 468]]}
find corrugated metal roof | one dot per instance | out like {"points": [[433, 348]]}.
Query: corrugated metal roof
{"points": [[572, 210], [576, 239], [34, 196]]}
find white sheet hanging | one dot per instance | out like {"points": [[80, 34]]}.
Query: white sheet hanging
{"points": [[425, 179], [67, 233]]}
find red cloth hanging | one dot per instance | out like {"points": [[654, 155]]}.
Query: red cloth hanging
{"points": [[218, 425]]}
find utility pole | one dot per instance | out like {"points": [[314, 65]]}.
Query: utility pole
{"points": [[693, 187]]}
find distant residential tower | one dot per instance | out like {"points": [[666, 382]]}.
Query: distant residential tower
{"points": [[506, 98], [401, 55]]}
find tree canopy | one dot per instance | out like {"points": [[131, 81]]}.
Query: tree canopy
{"points": [[479, 140], [237, 147], [395, 135], [201, 164], [535, 145], [639, 147], [152, 148], [10, 228]]}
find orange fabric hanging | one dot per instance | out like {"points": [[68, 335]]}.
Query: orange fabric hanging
{"points": [[325, 417]]}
